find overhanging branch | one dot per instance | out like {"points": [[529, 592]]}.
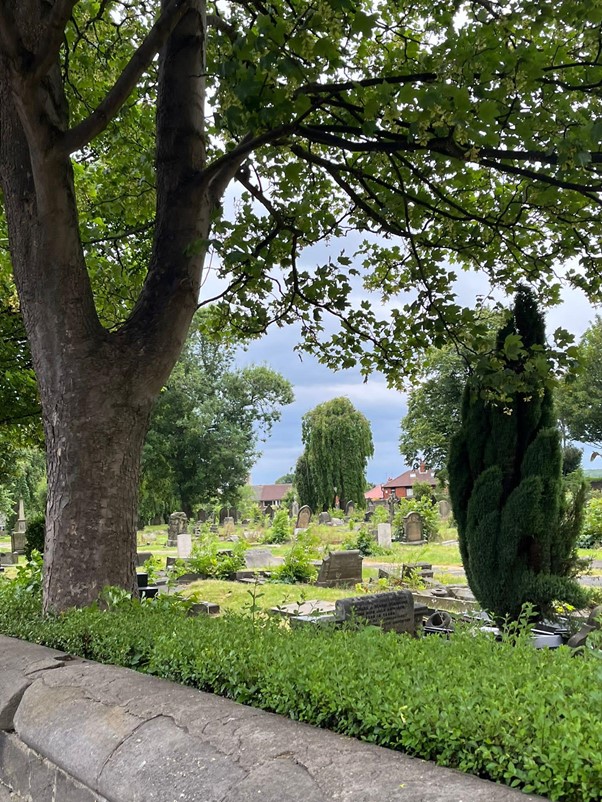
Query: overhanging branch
{"points": [[92, 126]]}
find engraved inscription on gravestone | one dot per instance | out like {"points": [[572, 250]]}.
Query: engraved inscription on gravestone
{"points": [[413, 529], [304, 517], [393, 611]]}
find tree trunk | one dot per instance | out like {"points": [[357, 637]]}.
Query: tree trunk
{"points": [[93, 446], [97, 387]]}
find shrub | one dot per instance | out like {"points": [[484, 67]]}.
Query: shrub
{"points": [[428, 512], [380, 516], [516, 537], [297, 565], [34, 535], [362, 541], [468, 702], [211, 559], [280, 530], [591, 534]]}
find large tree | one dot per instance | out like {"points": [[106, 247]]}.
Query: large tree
{"points": [[580, 396], [434, 404], [205, 428], [505, 481], [460, 131], [338, 444]]}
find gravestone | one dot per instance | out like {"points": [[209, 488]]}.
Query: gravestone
{"points": [[444, 508], [229, 521], [201, 516], [349, 508], [142, 557], [324, 518], [340, 568], [184, 546], [304, 517], [223, 514], [413, 528], [18, 537], [383, 536], [177, 526], [261, 558], [269, 511], [392, 611], [368, 516], [294, 509]]}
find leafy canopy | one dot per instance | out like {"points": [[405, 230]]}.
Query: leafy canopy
{"points": [[205, 428], [452, 135]]}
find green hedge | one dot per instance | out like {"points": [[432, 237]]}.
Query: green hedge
{"points": [[524, 717]]}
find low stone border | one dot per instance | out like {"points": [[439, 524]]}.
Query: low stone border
{"points": [[77, 731]]}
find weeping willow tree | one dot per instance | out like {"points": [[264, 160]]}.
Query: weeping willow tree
{"points": [[515, 529], [338, 444]]}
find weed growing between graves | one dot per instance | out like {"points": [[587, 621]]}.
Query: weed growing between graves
{"points": [[297, 565], [528, 718]]}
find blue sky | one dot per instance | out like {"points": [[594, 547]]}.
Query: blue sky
{"points": [[313, 383]]}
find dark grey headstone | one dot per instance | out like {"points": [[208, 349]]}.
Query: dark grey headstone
{"points": [[324, 518], [393, 611], [203, 608], [142, 557], [340, 568], [349, 508], [178, 522]]}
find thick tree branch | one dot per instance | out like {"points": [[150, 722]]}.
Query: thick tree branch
{"points": [[219, 174], [53, 37], [345, 86], [11, 44], [220, 24], [88, 129]]}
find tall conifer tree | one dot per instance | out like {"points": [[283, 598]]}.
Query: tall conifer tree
{"points": [[505, 475]]}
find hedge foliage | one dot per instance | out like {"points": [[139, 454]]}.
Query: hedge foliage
{"points": [[505, 711]]}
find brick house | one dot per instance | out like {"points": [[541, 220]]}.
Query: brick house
{"points": [[403, 485]]}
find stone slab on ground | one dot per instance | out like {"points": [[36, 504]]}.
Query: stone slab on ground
{"points": [[149, 740], [309, 607]]}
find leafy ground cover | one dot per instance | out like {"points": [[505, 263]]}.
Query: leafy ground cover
{"points": [[528, 718]]}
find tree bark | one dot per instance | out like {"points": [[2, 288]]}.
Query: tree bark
{"points": [[93, 458]]}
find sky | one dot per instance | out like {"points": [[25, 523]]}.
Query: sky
{"points": [[313, 383]]}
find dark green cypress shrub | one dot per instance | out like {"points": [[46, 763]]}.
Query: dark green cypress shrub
{"points": [[34, 535], [517, 533]]}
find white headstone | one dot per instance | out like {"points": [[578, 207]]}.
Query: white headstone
{"points": [[383, 538], [184, 546]]}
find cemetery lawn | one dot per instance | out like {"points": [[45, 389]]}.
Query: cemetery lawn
{"points": [[238, 596]]}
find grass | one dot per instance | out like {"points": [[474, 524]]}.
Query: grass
{"points": [[238, 597]]}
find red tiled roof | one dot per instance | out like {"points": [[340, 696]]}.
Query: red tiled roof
{"points": [[412, 477], [376, 494], [267, 493]]}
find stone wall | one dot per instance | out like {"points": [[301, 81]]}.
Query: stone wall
{"points": [[76, 731]]}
